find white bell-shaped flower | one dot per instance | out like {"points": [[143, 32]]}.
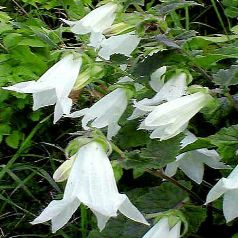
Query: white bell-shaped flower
{"points": [[123, 44], [174, 88], [162, 230], [91, 182], [54, 86], [106, 112], [229, 188], [171, 118], [192, 162], [96, 21]]}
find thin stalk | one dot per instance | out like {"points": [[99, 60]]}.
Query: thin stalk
{"points": [[219, 17], [187, 18], [159, 173], [175, 19], [20, 7], [83, 221]]}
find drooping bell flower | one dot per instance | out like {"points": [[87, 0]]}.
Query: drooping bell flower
{"points": [[171, 118], [54, 86], [192, 162], [106, 112], [95, 21], [228, 187], [91, 182]]}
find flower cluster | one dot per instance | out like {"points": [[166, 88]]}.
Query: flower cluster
{"points": [[89, 174]]}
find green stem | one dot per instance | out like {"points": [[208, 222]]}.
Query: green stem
{"points": [[160, 173], [83, 221], [219, 17], [187, 18]]}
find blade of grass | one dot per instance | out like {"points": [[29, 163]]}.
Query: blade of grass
{"points": [[219, 16]]}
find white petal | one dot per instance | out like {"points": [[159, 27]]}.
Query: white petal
{"points": [[188, 139], [230, 205], [175, 231], [122, 44], [160, 229], [217, 191], [62, 107], [136, 114], [96, 39], [171, 169], [112, 130], [144, 105], [44, 98], [234, 174], [29, 87], [101, 220], [177, 111], [97, 20], [212, 159], [52, 210], [130, 211], [166, 132], [62, 219], [157, 81], [192, 166], [107, 110], [174, 88]]}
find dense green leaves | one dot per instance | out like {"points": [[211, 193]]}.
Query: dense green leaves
{"points": [[156, 154]]}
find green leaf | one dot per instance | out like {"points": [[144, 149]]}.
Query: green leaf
{"points": [[156, 155], [136, 138], [226, 77], [32, 42], [218, 39], [217, 110], [160, 153], [162, 198], [12, 39], [231, 8], [227, 142], [200, 143], [172, 5], [4, 129], [117, 170], [195, 216], [13, 139]]}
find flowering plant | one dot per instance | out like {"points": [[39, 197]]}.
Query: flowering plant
{"points": [[146, 104]]}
